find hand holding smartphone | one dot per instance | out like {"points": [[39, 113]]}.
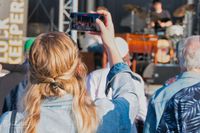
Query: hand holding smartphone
{"points": [[85, 21]]}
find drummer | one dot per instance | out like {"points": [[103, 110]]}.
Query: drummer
{"points": [[160, 19]]}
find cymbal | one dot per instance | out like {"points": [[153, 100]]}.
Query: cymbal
{"points": [[180, 12], [137, 10]]}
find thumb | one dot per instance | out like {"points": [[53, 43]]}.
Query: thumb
{"points": [[101, 25]]}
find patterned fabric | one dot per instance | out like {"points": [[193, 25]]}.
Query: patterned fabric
{"points": [[182, 112], [160, 98]]}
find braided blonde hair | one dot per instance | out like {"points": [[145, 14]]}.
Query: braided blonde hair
{"points": [[55, 69]]}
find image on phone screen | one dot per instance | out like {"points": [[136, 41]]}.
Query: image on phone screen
{"points": [[85, 21]]}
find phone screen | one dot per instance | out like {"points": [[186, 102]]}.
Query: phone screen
{"points": [[85, 21]]}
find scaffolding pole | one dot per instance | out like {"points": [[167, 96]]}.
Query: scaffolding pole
{"points": [[61, 16], [65, 8], [74, 9]]}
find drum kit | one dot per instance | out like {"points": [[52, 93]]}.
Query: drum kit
{"points": [[167, 48]]}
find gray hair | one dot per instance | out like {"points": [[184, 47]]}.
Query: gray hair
{"points": [[190, 57]]}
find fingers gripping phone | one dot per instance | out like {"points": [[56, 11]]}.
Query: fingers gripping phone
{"points": [[85, 21]]}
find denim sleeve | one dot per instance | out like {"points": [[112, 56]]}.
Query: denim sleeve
{"points": [[120, 112], [116, 69], [150, 123], [121, 80]]}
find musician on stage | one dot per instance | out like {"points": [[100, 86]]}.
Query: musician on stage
{"points": [[160, 18]]}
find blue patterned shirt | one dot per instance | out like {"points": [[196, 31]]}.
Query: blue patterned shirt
{"points": [[182, 112], [163, 95]]}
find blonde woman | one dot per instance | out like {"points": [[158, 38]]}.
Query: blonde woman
{"points": [[56, 100]]}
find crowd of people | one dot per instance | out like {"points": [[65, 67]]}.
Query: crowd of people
{"points": [[55, 94]]}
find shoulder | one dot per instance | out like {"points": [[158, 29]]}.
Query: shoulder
{"points": [[138, 78], [188, 93], [163, 92]]}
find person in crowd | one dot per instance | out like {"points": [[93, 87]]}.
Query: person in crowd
{"points": [[181, 106], [181, 114], [56, 99], [191, 75], [160, 19], [96, 80], [13, 101]]}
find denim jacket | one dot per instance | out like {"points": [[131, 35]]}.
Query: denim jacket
{"points": [[116, 116], [158, 101]]}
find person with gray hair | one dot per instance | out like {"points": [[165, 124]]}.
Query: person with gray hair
{"points": [[190, 75], [191, 53]]}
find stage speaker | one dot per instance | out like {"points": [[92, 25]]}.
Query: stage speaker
{"points": [[160, 73]]}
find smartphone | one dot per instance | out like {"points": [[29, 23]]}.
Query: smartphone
{"points": [[85, 21]]}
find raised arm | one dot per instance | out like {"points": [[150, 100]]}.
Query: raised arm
{"points": [[107, 35], [124, 102]]}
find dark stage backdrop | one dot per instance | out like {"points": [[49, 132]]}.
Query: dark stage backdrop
{"points": [[41, 20], [119, 14]]}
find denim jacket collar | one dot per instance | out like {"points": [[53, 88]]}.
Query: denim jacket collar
{"points": [[65, 100], [190, 74]]}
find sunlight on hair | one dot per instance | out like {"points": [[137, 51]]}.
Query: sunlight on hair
{"points": [[56, 69]]}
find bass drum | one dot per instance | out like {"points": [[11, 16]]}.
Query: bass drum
{"points": [[163, 52], [175, 31]]}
